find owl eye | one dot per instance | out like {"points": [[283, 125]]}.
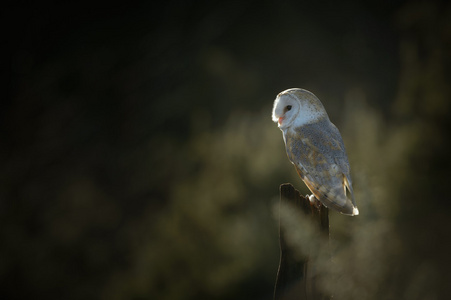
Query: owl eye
{"points": [[288, 107]]}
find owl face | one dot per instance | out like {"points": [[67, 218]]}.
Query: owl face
{"points": [[285, 110], [297, 107]]}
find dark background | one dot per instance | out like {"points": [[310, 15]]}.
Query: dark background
{"points": [[139, 159]]}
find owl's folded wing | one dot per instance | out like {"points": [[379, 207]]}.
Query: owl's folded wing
{"points": [[320, 159]]}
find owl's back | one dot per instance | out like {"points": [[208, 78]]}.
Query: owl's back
{"points": [[318, 153]]}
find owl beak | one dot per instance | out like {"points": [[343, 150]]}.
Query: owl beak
{"points": [[280, 120]]}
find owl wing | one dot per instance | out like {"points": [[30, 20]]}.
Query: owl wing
{"points": [[319, 156]]}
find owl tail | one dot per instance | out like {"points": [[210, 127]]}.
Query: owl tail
{"points": [[350, 210], [334, 198], [347, 209], [347, 185]]}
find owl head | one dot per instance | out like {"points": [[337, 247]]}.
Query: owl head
{"points": [[297, 107]]}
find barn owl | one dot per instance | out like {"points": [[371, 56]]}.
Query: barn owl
{"points": [[315, 147]]}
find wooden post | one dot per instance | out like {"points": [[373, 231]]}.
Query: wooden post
{"points": [[295, 280]]}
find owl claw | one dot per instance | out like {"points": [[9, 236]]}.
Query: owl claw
{"points": [[313, 200]]}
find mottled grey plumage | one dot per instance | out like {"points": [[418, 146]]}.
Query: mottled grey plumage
{"points": [[315, 147], [318, 153]]}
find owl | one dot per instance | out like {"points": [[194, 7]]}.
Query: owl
{"points": [[315, 148]]}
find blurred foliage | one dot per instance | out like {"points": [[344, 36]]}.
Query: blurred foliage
{"points": [[139, 160]]}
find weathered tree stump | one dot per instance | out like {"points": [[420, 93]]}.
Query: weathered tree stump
{"points": [[295, 278]]}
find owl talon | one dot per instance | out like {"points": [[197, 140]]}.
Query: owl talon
{"points": [[313, 200]]}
